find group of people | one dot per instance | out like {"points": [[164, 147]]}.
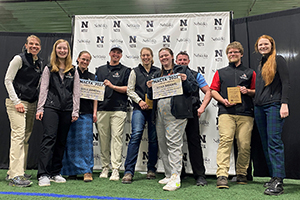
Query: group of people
{"points": [[51, 93]]}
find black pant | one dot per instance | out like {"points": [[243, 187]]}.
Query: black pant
{"points": [[56, 126], [194, 146]]}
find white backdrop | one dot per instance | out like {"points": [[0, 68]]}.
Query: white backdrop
{"points": [[203, 35]]}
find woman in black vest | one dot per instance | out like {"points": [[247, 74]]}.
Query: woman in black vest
{"points": [[58, 107], [21, 81], [79, 157]]}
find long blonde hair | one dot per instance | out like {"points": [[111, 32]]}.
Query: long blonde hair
{"points": [[54, 60], [268, 70]]}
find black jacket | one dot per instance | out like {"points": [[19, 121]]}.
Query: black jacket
{"points": [[181, 105], [278, 90], [60, 94], [117, 75], [142, 76], [86, 105], [27, 79]]}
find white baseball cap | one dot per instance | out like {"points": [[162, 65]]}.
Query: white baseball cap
{"points": [[116, 46]]}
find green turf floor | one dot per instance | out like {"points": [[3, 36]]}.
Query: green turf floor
{"points": [[141, 188]]}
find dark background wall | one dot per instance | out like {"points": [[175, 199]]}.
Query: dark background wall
{"points": [[10, 45], [282, 26]]}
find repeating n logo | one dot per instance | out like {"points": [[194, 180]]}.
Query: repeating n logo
{"points": [[201, 70], [84, 26], [149, 26], [219, 55], [166, 40], [100, 41], [132, 41], [200, 40], [117, 26], [218, 24], [183, 25]]}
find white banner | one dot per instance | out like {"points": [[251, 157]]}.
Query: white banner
{"points": [[204, 36]]}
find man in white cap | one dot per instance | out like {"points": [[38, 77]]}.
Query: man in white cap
{"points": [[111, 113]]}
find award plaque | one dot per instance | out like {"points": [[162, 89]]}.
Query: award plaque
{"points": [[149, 102], [234, 95]]}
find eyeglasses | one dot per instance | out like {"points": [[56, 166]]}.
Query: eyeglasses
{"points": [[234, 52]]}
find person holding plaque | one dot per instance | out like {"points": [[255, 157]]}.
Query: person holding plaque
{"points": [[271, 108], [192, 127], [22, 83], [142, 113], [172, 113], [235, 119], [79, 157], [58, 107], [111, 114]]}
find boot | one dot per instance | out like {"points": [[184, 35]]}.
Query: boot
{"points": [[276, 187]]}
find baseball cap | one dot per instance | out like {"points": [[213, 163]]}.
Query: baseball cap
{"points": [[115, 46]]}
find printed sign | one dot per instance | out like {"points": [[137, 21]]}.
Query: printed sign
{"points": [[92, 90], [167, 86]]}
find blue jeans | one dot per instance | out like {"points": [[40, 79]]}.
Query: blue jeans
{"points": [[139, 119]]}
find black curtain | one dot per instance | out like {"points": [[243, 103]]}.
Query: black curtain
{"points": [[284, 28], [12, 44]]}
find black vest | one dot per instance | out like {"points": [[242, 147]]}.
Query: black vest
{"points": [[195, 96], [27, 79], [142, 76], [86, 105], [60, 94], [117, 75]]}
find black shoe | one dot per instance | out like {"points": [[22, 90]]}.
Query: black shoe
{"points": [[72, 177], [268, 184], [276, 187], [20, 181], [201, 181], [241, 179], [222, 182]]}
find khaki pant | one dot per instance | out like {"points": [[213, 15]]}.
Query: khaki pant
{"points": [[240, 127], [21, 125], [110, 126]]}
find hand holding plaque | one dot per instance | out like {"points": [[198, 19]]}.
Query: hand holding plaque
{"points": [[234, 95]]}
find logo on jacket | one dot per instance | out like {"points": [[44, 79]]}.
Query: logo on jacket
{"points": [[244, 77], [69, 75], [116, 75]]}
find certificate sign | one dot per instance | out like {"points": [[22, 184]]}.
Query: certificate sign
{"points": [[92, 90], [167, 86], [234, 95]]}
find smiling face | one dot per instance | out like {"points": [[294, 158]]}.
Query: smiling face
{"points": [[234, 56], [146, 57], [115, 56], [84, 61], [182, 60], [264, 46], [33, 46], [62, 50], [166, 59]]}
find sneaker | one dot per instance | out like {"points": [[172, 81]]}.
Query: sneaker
{"points": [[104, 173], [114, 175], [58, 179], [164, 181], [44, 181], [20, 181], [27, 176], [87, 177], [268, 184], [127, 178], [151, 175], [201, 181], [241, 179], [276, 187], [173, 184], [222, 182]]}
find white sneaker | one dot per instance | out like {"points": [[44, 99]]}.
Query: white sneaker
{"points": [[173, 184], [58, 179], [115, 175], [104, 173], [44, 181], [164, 181]]}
